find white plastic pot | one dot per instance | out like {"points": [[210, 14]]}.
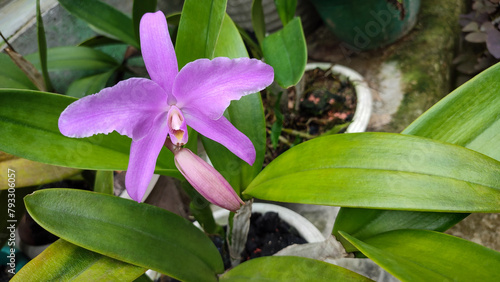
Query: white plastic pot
{"points": [[303, 226], [363, 94]]}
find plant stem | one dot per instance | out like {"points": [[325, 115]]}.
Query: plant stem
{"points": [[281, 138], [298, 133]]}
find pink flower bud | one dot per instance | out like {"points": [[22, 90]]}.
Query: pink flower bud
{"points": [[206, 180]]}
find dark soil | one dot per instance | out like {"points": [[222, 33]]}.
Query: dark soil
{"points": [[326, 106], [269, 234]]}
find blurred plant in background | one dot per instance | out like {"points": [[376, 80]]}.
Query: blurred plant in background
{"points": [[481, 27]]}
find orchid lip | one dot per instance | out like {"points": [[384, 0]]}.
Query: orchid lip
{"points": [[177, 127]]}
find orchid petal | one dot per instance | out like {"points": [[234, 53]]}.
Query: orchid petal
{"points": [[210, 85], [158, 52], [206, 180], [143, 155], [223, 132], [129, 107]]}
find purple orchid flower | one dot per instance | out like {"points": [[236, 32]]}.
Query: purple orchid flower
{"points": [[150, 111]]}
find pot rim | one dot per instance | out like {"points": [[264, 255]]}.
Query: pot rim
{"points": [[363, 94], [303, 226]]}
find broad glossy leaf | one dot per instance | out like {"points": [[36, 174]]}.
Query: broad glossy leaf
{"points": [[28, 126], [42, 48], [422, 255], [382, 170], [286, 52], [136, 233], [230, 43], [286, 10], [470, 117], [63, 261], [365, 223], [278, 268], [11, 76], [104, 18], [75, 58], [199, 30], [89, 85], [30, 173], [246, 114], [139, 8]]}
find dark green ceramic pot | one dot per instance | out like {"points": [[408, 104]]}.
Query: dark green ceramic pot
{"points": [[368, 24]]}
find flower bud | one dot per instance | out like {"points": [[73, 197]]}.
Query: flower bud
{"points": [[206, 180]]}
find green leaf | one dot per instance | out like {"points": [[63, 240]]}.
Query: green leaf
{"points": [[174, 18], [28, 126], [75, 58], [230, 43], [201, 211], [140, 234], [104, 182], [383, 171], [200, 208], [421, 255], [246, 114], [89, 85], [337, 128], [143, 278], [258, 23], [282, 268], [42, 47], [253, 47], [139, 8], [30, 173], [365, 223], [63, 261], [286, 10], [286, 52], [199, 30], [104, 18], [11, 76], [467, 117]]}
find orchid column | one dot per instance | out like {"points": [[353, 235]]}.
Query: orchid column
{"points": [[153, 112]]}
